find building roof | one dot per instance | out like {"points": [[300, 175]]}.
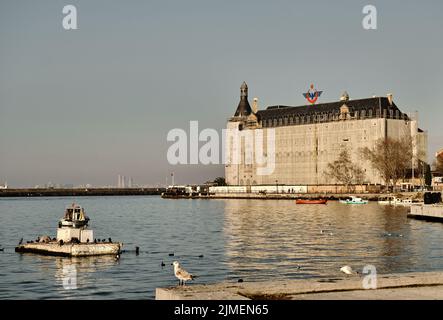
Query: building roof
{"points": [[243, 109], [376, 103]]}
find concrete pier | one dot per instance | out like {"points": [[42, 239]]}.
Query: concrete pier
{"points": [[431, 212], [428, 285], [71, 249]]}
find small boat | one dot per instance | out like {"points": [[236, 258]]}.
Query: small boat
{"points": [[389, 200], [311, 201], [74, 217], [354, 200], [395, 201]]}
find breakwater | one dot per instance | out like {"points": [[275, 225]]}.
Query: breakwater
{"points": [[77, 192]]}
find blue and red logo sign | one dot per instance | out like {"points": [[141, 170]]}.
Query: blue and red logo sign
{"points": [[312, 95]]}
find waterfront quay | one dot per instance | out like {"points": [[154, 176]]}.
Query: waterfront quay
{"points": [[423, 285], [77, 192], [293, 196], [433, 212], [285, 196]]}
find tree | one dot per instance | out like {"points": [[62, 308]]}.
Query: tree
{"points": [[359, 175], [428, 175], [344, 171], [392, 158], [438, 166], [220, 181]]}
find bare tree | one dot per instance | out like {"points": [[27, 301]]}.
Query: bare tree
{"points": [[344, 171], [359, 175], [438, 166], [392, 158]]}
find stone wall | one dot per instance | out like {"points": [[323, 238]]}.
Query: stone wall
{"points": [[302, 152]]}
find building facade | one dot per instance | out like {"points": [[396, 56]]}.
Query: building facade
{"points": [[309, 137]]}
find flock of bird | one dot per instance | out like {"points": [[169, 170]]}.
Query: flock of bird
{"points": [[183, 276]]}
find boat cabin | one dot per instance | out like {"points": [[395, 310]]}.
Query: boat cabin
{"points": [[73, 226], [74, 212], [74, 217]]}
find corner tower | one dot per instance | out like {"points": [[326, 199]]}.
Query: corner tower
{"points": [[243, 109]]}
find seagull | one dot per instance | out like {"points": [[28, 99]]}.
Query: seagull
{"points": [[21, 241], [181, 274], [347, 270]]}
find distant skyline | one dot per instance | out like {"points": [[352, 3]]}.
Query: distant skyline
{"points": [[83, 106]]}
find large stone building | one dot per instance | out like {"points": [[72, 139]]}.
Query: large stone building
{"points": [[309, 137]]}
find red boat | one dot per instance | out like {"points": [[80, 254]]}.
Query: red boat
{"points": [[311, 201]]}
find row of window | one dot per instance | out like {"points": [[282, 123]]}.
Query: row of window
{"points": [[325, 117]]}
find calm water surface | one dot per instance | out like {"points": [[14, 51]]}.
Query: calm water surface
{"points": [[248, 239]]}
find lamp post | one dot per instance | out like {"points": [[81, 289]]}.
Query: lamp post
{"points": [[276, 186]]}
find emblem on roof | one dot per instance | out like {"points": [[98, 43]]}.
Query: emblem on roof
{"points": [[312, 95]]}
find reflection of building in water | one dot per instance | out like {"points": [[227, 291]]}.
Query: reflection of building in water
{"points": [[394, 248], [81, 268], [272, 238]]}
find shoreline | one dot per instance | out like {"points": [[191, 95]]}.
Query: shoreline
{"points": [[290, 196], [28, 192]]}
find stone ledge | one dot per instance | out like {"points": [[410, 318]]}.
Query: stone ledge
{"points": [[428, 285]]}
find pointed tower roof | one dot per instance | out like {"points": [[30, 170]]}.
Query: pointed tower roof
{"points": [[243, 109]]}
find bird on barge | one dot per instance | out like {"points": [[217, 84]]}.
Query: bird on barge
{"points": [[74, 238]]}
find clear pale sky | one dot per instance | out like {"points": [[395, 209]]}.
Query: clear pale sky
{"points": [[85, 105]]}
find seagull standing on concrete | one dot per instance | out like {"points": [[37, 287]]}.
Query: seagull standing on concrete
{"points": [[347, 270], [181, 274]]}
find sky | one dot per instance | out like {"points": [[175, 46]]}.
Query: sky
{"points": [[82, 106]]}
